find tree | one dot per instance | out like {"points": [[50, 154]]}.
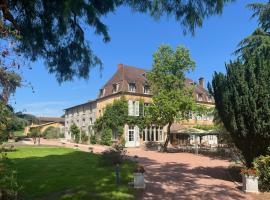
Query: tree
{"points": [[172, 99], [35, 133], [242, 100], [55, 30], [259, 41], [75, 132]]}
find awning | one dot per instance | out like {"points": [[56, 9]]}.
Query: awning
{"points": [[193, 131]]}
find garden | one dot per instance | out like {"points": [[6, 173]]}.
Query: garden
{"points": [[65, 174]]}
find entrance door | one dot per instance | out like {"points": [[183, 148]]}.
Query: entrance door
{"points": [[132, 136]]}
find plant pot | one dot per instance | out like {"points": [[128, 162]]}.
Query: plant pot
{"points": [[139, 180], [250, 183]]}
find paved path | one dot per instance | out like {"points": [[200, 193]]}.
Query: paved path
{"points": [[178, 175]]}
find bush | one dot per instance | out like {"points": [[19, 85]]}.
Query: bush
{"points": [[93, 139], [52, 133], [84, 137], [10, 188], [262, 165], [75, 132], [106, 137], [114, 155]]}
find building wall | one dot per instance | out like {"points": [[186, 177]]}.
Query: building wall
{"points": [[103, 102], [82, 115]]}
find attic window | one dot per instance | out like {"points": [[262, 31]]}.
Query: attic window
{"points": [[132, 87], [146, 89], [115, 87], [102, 92], [199, 97]]}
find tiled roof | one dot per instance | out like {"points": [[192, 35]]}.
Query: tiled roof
{"points": [[127, 74]]}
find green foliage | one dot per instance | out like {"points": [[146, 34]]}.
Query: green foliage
{"points": [[242, 101], [262, 165], [34, 132], [93, 139], [172, 100], [75, 132], [5, 117], [9, 186], [84, 137], [55, 30], [52, 132], [259, 42], [106, 137], [114, 155], [114, 118]]}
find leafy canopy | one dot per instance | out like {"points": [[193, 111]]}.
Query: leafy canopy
{"points": [[56, 30], [172, 98]]}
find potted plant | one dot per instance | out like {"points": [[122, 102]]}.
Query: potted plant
{"points": [[139, 177], [250, 180]]}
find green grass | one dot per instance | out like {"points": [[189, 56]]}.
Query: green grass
{"points": [[67, 174], [19, 133]]}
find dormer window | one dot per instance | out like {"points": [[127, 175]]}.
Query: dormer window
{"points": [[115, 87], [132, 87], [102, 92], [146, 89], [199, 97]]}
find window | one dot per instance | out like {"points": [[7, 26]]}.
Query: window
{"points": [[114, 134], [115, 87], [102, 92], [153, 134], [132, 87], [131, 133], [133, 108], [199, 97], [91, 120], [146, 89]]}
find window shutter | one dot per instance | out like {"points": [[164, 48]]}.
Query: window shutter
{"points": [[130, 108], [137, 108]]}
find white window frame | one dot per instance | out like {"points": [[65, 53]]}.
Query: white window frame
{"points": [[146, 91], [132, 89], [133, 108], [131, 129]]}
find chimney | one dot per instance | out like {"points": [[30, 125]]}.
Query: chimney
{"points": [[120, 66], [201, 82]]}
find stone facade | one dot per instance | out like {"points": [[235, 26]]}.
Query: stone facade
{"points": [[83, 115]]}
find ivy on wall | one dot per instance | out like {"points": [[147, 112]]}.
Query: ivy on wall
{"points": [[114, 118]]}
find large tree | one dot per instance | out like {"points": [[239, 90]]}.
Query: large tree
{"points": [[55, 30], [172, 99], [259, 41], [242, 94], [242, 101]]}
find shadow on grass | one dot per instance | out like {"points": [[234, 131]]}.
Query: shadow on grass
{"points": [[57, 173]]}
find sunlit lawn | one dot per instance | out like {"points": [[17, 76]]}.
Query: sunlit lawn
{"points": [[59, 173]]}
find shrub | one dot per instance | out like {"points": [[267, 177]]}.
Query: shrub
{"points": [[10, 188], [84, 137], [75, 131], [52, 133], [106, 137], [114, 155], [262, 165], [93, 139]]}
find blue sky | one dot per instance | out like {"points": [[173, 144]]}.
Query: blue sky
{"points": [[134, 39]]}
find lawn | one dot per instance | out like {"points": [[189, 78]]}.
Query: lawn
{"points": [[66, 174]]}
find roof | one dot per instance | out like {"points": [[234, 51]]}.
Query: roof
{"points": [[127, 74], [123, 76], [51, 119], [88, 102]]}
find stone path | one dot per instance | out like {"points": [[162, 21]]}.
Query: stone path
{"points": [[178, 175]]}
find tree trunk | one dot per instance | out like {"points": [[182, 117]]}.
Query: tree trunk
{"points": [[168, 137]]}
